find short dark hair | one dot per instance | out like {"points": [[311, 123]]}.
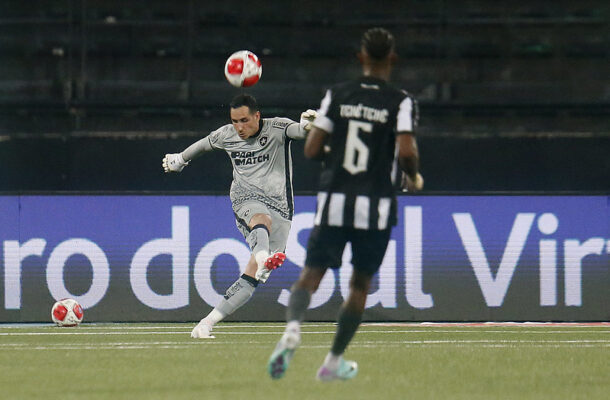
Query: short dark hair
{"points": [[245, 100], [378, 43]]}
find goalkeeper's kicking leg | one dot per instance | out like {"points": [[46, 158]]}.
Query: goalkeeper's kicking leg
{"points": [[259, 267]]}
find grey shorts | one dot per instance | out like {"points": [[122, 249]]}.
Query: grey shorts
{"points": [[280, 227]]}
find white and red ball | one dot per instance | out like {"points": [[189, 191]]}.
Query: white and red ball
{"points": [[243, 69], [67, 312]]}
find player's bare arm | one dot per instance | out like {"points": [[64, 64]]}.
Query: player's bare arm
{"points": [[314, 145], [408, 159]]}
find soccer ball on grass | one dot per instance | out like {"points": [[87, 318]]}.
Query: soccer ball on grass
{"points": [[67, 312], [243, 69]]}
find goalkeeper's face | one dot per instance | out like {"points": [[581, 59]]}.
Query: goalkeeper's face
{"points": [[244, 121]]}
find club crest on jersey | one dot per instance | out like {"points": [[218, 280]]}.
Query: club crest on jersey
{"points": [[263, 140]]}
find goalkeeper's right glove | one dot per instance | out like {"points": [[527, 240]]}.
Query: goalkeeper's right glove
{"points": [[174, 162], [307, 118]]}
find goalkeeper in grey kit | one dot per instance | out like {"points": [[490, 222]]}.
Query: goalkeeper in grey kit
{"points": [[261, 192]]}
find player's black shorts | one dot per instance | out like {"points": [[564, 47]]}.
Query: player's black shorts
{"points": [[326, 244]]}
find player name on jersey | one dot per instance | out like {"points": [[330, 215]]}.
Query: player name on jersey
{"points": [[361, 111]]}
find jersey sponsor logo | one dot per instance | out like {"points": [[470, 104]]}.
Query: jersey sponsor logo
{"points": [[280, 124], [263, 140], [242, 154], [248, 157], [361, 111]]}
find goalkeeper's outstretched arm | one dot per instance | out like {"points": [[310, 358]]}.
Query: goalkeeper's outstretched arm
{"points": [[301, 130], [177, 161]]}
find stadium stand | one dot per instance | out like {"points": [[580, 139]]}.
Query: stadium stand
{"points": [[480, 69]]}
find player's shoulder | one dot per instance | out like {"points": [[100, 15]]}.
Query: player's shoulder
{"points": [[400, 97], [341, 91], [402, 93], [225, 131], [220, 135], [396, 92], [278, 122], [373, 84], [345, 86]]}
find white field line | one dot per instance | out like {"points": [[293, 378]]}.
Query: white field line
{"points": [[358, 342], [200, 342], [424, 325], [366, 329], [78, 332], [320, 347], [492, 324], [415, 343], [119, 326], [500, 324]]}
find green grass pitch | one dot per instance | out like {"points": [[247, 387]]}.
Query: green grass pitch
{"points": [[396, 361]]}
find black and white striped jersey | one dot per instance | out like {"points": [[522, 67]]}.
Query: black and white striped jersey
{"points": [[362, 118]]}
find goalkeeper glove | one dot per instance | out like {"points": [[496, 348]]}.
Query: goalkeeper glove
{"points": [[174, 162], [307, 118]]}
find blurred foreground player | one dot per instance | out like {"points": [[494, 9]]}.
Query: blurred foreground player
{"points": [[362, 124], [261, 192]]}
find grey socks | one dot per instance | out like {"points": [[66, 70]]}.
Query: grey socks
{"points": [[258, 239], [237, 295]]}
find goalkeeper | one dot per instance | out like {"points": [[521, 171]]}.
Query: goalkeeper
{"points": [[261, 192]]}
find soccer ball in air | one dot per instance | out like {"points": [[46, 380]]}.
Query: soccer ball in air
{"points": [[243, 69], [67, 312]]}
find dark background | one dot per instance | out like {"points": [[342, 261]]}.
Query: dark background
{"points": [[514, 96]]}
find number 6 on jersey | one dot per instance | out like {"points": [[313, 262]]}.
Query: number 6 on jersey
{"points": [[356, 156]]}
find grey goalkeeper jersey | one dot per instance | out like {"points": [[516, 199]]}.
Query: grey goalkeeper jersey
{"points": [[262, 164]]}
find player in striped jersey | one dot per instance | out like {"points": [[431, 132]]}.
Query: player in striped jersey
{"points": [[360, 129], [261, 192]]}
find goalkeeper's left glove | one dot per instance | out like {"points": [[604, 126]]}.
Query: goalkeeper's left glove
{"points": [[307, 118], [174, 163]]}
